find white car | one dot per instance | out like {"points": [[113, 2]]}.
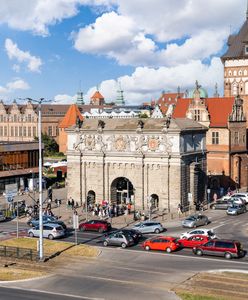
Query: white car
{"points": [[243, 196], [202, 231]]}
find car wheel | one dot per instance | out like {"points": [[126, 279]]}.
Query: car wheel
{"points": [[31, 234], [157, 231], [123, 245], [213, 207], [51, 237], [100, 230], [168, 250], [228, 255], [147, 248], [105, 243], [82, 228], [199, 252]]}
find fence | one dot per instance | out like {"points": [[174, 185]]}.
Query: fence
{"points": [[16, 252]]}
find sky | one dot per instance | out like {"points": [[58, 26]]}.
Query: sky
{"points": [[54, 48]]}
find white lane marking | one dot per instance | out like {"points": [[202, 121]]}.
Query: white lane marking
{"points": [[52, 293], [179, 255]]}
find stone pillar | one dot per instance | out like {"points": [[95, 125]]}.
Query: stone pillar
{"points": [[194, 181]]}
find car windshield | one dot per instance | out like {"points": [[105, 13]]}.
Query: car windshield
{"points": [[192, 218]]}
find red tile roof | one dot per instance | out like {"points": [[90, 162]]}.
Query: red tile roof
{"points": [[97, 95], [70, 117], [219, 109], [166, 99]]}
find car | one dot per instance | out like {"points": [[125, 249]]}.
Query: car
{"points": [[225, 248], [236, 209], [135, 234], [46, 219], [95, 225], [221, 204], [118, 239], [202, 231], [149, 227], [243, 196], [195, 221], [163, 243], [193, 241], [50, 231], [2, 216]]}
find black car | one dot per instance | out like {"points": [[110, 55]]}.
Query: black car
{"points": [[135, 234]]}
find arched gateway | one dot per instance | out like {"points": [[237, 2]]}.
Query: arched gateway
{"points": [[121, 191]]}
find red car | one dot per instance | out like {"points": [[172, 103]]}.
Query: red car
{"points": [[95, 225], [193, 241], [164, 243]]}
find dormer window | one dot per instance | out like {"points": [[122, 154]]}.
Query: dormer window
{"points": [[246, 49]]}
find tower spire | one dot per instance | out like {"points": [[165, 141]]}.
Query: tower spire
{"points": [[247, 11]]}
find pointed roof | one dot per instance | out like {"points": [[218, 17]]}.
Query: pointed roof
{"points": [[236, 43], [70, 117], [97, 95], [219, 110]]}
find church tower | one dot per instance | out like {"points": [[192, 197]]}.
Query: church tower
{"points": [[235, 62], [120, 97]]}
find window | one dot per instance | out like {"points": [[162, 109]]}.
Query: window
{"points": [[15, 118], [220, 244], [12, 131], [215, 138], [246, 49], [197, 115], [209, 244], [236, 138], [34, 131], [5, 131], [50, 130], [1, 130], [16, 131], [20, 131], [29, 118], [24, 131], [29, 131]]}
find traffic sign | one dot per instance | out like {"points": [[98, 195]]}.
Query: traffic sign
{"points": [[9, 199], [75, 221], [11, 189]]}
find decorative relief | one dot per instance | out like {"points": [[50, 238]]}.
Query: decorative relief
{"points": [[120, 143], [153, 143], [90, 142]]}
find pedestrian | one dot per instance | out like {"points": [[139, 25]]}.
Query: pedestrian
{"points": [[72, 203], [129, 206], [179, 209]]}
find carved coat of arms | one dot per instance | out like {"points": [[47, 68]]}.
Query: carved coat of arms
{"points": [[153, 144], [120, 143]]}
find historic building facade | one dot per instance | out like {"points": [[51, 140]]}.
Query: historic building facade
{"points": [[226, 136], [235, 62], [145, 161]]}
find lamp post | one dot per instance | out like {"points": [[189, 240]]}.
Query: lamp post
{"points": [[41, 254]]}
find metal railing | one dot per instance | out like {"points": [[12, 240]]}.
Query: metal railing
{"points": [[20, 253]]}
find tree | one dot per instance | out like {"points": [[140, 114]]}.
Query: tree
{"points": [[50, 145]]}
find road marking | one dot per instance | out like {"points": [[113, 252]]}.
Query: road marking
{"points": [[52, 293], [181, 256]]}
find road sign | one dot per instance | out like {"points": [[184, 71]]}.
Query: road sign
{"points": [[75, 221], [11, 189], [9, 199]]}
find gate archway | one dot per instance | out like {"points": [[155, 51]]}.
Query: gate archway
{"points": [[91, 198], [121, 191]]}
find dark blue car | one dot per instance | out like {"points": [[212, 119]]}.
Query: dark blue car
{"points": [[46, 219]]}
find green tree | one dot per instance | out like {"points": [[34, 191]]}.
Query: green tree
{"points": [[50, 145]]}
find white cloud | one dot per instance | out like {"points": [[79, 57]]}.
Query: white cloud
{"points": [[65, 99], [12, 86], [147, 83], [17, 84], [16, 68], [150, 33], [37, 15], [13, 52]]}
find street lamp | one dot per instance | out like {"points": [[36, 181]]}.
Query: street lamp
{"points": [[41, 255]]}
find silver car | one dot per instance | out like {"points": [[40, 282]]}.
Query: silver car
{"points": [[50, 231], [149, 227], [118, 239], [195, 221], [236, 209]]}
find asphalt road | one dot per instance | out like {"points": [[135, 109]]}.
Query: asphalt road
{"points": [[27, 294]]}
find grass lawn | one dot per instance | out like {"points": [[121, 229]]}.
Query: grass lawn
{"points": [[51, 247], [9, 274], [189, 296]]}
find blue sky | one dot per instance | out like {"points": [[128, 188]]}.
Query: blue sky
{"points": [[52, 48]]}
